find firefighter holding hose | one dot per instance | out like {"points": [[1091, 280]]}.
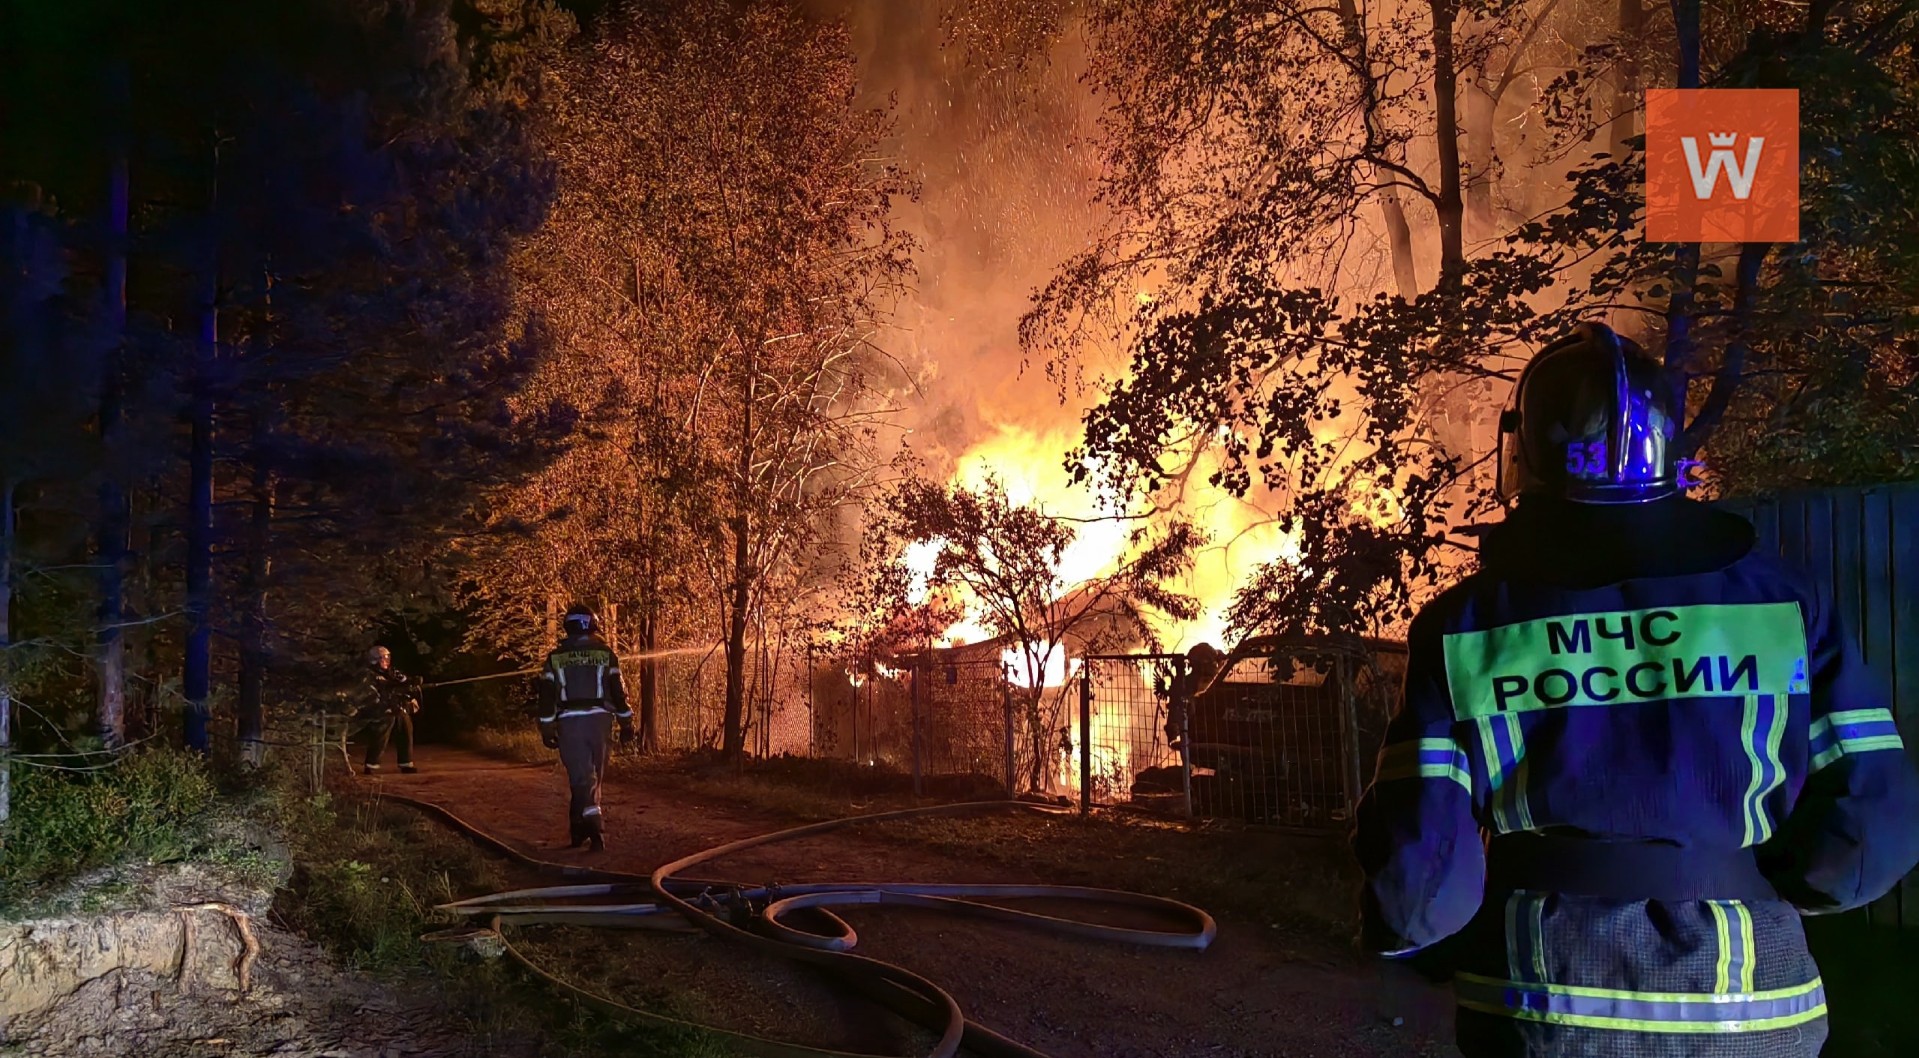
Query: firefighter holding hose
{"points": [[1632, 751], [581, 697], [387, 707]]}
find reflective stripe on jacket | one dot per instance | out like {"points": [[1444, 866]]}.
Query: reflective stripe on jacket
{"points": [[582, 676]]}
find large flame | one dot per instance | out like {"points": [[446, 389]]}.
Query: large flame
{"points": [[1007, 198], [1054, 668], [1028, 463]]}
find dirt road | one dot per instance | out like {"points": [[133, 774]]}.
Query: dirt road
{"points": [[1249, 995]]}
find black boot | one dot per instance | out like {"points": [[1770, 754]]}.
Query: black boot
{"points": [[596, 843]]}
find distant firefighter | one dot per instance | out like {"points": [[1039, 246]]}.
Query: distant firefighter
{"points": [[1203, 661], [1202, 664], [1666, 736], [387, 706], [581, 695]]}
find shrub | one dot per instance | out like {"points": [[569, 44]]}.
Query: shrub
{"points": [[149, 807]]}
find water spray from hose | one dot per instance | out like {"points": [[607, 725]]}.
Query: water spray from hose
{"points": [[649, 655]]}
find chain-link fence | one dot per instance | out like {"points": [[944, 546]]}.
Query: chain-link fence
{"points": [[690, 700], [1127, 734], [966, 718], [928, 716], [1282, 731]]}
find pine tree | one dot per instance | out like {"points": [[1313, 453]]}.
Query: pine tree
{"points": [[312, 353]]}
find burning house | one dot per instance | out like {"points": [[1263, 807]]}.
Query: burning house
{"points": [[1281, 730]]}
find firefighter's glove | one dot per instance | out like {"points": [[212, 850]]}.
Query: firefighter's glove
{"points": [[549, 737], [626, 732]]}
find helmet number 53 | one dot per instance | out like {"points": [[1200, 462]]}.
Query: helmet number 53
{"points": [[1586, 458]]}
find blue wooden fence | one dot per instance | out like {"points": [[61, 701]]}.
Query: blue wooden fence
{"points": [[1862, 546]]}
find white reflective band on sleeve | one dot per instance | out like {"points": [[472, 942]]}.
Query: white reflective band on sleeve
{"points": [[1852, 731], [1425, 758]]}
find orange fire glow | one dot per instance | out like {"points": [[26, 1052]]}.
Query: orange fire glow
{"points": [[1028, 462]]}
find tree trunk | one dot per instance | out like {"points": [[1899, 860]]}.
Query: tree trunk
{"points": [[1679, 307], [253, 627], [111, 545], [649, 678], [197, 670], [1685, 17], [1399, 237], [1732, 365], [1481, 149], [6, 651], [1451, 208], [1043, 736], [763, 686], [143, 696], [1626, 102], [1399, 234], [733, 738]]}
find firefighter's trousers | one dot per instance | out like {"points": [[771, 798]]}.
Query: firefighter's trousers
{"points": [[586, 741], [394, 727], [1546, 975]]}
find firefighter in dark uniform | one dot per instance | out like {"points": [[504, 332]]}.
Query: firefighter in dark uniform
{"points": [[582, 696], [1632, 751], [1202, 664], [387, 706]]}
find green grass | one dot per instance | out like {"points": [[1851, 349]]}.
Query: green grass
{"points": [[368, 875], [148, 808]]}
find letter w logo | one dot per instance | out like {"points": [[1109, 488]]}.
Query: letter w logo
{"points": [[1722, 165], [1706, 180]]}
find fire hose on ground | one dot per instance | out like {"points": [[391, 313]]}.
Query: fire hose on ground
{"points": [[666, 900]]}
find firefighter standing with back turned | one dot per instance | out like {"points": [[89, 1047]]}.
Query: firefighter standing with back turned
{"points": [[1632, 752], [581, 696]]}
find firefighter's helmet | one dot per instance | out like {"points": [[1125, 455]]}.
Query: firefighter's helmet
{"points": [[580, 621], [1591, 420]]}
